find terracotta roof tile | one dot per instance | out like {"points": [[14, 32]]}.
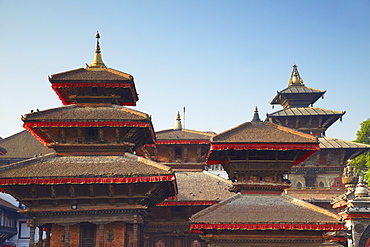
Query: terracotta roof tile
{"points": [[23, 145], [326, 142], [303, 111], [243, 208], [82, 74], [183, 134], [76, 113], [84, 166], [201, 186], [262, 132], [301, 89]]}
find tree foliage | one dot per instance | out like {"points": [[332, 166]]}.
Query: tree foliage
{"points": [[362, 162]]}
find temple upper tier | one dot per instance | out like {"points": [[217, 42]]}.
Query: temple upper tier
{"points": [[95, 84]]}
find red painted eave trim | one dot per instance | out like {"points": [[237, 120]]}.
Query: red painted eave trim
{"points": [[49, 181], [265, 146], [186, 203], [166, 142], [331, 227]]}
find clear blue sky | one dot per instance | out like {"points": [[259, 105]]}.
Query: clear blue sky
{"points": [[220, 59]]}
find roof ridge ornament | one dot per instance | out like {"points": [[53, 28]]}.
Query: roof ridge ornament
{"points": [[256, 117], [97, 62], [178, 125], [295, 78]]}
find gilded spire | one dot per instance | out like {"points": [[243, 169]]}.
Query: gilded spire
{"points": [[256, 117], [178, 125], [295, 78], [97, 61]]}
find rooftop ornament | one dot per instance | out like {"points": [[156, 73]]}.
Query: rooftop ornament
{"points": [[97, 62]]}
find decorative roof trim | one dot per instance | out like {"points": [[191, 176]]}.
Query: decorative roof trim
{"points": [[269, 226], [167, 142], [186, 203], [264, 146], [79, 180]]}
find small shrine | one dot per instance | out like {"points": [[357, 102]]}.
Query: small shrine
{"points": [[257, 156]]}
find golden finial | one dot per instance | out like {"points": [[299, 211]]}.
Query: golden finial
{"points": [[97, 61], [295, 78], [178, 125]]}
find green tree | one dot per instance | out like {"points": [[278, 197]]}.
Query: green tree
{"points": [[362, 162]]}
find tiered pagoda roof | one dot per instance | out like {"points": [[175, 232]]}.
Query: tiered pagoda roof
{"points": [[297, 94], [256, 155], [94, 136], [95, 84], [298, 112]]}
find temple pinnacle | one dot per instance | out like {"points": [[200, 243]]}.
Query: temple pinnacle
{"points": [[178, 125], [295, 78], [97, 61], [256, 117]]}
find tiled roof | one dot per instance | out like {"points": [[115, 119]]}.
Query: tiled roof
{"points": [[262, 132], [326, 142], [82, 74], [77, 113], [23, 145], [52, 166], [244, 208], [301, 89], [201, 186], [183, 134], [316, 195], [303, 111]]}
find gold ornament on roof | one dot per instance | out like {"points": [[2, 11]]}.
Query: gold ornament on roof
{"points": [[97, 62], [295, 78]]}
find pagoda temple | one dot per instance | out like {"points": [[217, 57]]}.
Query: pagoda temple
{"points": [[324, 168], [256, 155], [93, 191]]}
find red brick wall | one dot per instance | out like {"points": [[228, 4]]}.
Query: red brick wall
{"points": [[57, 235], [117, 228]]}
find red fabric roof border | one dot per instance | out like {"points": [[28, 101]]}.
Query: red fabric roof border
{"points": [[55, 87], [100, 180], [29, 125], [355, 216], [186, 203], [164, 142], [282, 226], [264, 146]]}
